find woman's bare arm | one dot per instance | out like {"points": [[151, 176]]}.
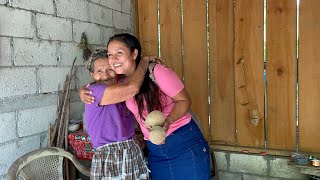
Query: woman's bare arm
{"points": [[181, 107], [123, 91]]}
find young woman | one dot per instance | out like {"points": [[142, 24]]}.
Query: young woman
{"points": [[185, 152]]}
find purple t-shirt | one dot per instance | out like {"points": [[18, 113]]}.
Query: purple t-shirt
{"points": [[109, 123]]}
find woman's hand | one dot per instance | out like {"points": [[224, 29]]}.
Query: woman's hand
{"points": [[169, 120], [85, 95], [154, 59]]}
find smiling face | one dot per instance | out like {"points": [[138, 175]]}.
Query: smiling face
{"points": [[121, 59], [102, 71]]}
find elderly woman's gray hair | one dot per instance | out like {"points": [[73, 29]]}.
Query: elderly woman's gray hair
{"points": [[97, 54]]}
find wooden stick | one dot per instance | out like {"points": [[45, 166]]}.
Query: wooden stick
{"points": [[57, 124], [49, 135], [61, 124], [66, 118], [71, 77]]}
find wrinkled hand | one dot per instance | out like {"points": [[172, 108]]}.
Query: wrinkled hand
{"points": [[155, 59], [85, 95]]}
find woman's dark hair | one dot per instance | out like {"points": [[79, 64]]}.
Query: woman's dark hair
{"points": [[149, 91]]}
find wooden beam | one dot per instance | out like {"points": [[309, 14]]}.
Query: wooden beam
{"points": [[250, 150]]}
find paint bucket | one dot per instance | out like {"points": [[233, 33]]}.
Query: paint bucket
{"points": [[300, 159], [315, 162]]}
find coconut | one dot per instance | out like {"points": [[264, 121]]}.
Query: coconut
{"points": [[157, 135], [154, 118]]}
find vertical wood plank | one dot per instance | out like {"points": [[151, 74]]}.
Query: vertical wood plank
{"points": [[281, 67], [195, 58], [309, 76], [170, 34], [148, 26], [135, 9], [249, 67], [221, 48]]}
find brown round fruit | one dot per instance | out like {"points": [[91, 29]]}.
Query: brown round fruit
{"points": [[154, 118], [157, 135]]}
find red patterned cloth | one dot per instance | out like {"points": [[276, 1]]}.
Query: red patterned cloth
{"points": [[80, 145]]}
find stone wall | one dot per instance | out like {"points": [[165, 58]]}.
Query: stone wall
{"points": [[238, 166], [38, 43]]}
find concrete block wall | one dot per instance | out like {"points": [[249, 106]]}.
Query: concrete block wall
{"points": [[38, 43], [238, 166]]}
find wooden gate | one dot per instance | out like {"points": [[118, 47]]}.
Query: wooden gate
{"points": [[249, 80]]}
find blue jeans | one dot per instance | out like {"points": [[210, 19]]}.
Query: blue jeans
{"points": [[185, 155]]}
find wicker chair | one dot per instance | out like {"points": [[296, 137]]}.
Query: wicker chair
{"points": [[44, 163]]}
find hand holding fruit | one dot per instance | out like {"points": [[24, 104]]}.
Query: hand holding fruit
{"points": [[154, 121]]}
